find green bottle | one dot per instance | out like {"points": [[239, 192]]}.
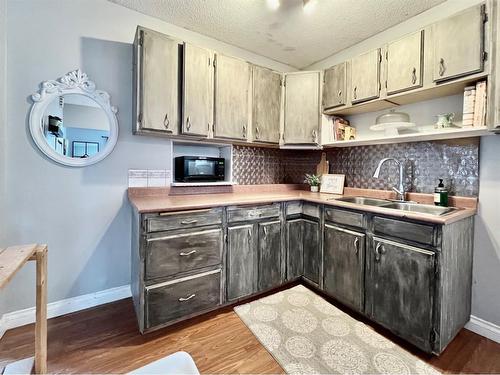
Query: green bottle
{"points": [[441, 195]]}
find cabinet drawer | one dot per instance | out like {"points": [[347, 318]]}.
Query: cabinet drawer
{"points": [[187, 219], [353, 219], [293, 208], [181, 298], [422, 233], [169, 255], [311, 209], [252, 213]]}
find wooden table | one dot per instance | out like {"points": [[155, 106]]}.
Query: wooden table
{"points": [[11, 261]]}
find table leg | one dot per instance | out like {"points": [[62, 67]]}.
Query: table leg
{"points": [[41, 311]]}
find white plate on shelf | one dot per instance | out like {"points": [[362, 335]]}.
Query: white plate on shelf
{"points": [[391, 129]]}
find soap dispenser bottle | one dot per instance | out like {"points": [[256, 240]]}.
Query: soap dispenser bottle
{"points": [[441, 195]]}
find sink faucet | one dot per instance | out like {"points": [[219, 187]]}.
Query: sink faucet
{"points": [[401, 190]]}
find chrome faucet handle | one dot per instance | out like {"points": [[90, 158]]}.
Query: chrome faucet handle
{"points": [[400, 193]]}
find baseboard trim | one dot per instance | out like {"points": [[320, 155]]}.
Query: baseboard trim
{"points": [[27, 316], [484, 328]]}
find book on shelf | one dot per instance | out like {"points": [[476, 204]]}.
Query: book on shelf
{"points": [[469, 102], [480, 104]]}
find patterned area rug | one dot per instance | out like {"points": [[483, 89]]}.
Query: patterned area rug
{"points": [[308, 335]]}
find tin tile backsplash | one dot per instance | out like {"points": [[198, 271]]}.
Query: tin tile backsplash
{"points": [[456, 162]]}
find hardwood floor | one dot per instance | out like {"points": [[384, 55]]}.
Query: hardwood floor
{"points": [[106, 339]]}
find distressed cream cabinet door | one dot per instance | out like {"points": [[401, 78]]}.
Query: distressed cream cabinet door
{"points": [[159, 83], [266, 105], [459, 44], [365, 76], [334, 86], [302, 108], [232, 81], [197, 90], [404, 63]]}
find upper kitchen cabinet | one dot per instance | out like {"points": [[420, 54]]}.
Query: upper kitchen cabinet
{"points": [[365, 76], [232, 81], [459, 45], [198, 96], [266, 105], [157, 83], [404, 63], [334, 86], [302, 108]]}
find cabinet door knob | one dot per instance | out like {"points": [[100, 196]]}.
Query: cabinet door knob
{"points": [[414, 76], [184, 299], [244, 131], [257, 132], [354, 93], [188, 123], [166, 121], [356, 245], [442, 68], [340, 96]]}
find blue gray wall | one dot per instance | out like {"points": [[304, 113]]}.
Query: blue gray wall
{"points": [[82, 214]]}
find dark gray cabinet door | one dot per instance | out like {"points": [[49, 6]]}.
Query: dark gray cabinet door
{"points": [[294, 248], [269, 254], [266, 105], [344, 265], [459, 44], [241, 261], [334, 86], [311, 250], [158, 83], [400, 289]]}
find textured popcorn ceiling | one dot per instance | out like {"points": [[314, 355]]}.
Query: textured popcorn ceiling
{"points": [[287, 35]]}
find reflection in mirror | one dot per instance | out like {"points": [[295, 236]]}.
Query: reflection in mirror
{"points": [[75, 126]]}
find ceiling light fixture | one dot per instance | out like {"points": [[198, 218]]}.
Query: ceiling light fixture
{"points": [[273, 4], [308, 6]]}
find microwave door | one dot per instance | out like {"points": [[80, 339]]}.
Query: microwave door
{"points": [[201, 169]]}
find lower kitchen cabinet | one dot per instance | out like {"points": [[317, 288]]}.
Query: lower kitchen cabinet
{"points": [[311, 250], [294, 248], [180, 298], [241, 261], [344, 265], [269, 255], [303, 249], [401, 281]]}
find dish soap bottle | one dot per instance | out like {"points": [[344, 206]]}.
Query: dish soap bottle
{"points": [[441, 195]]}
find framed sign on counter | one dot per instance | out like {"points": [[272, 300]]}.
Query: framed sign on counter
{"points": [[332, 183]]}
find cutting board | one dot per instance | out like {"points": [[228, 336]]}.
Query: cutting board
{"points": [[323, 166]]}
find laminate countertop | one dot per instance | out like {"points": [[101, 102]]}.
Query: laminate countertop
{"points": [[152, 200]]}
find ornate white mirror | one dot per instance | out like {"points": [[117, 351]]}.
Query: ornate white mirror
{"points": [[73, 123]]}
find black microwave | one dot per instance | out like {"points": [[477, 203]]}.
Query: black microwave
{"points": [[199, 168]]}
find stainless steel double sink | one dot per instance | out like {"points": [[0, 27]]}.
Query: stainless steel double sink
{"points": [[397, 205]]}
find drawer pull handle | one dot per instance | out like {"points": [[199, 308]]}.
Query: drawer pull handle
{"points": [[187, 254], [182, 299], [356, 245], [414, 76], [187, 222]]}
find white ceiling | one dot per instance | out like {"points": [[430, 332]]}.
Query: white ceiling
{"points": [[287, 35]]}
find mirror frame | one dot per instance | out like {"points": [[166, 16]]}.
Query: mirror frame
{"points": [[75, 82]]}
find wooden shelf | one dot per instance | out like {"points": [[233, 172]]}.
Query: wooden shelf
{"points": [[423, 135]]}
